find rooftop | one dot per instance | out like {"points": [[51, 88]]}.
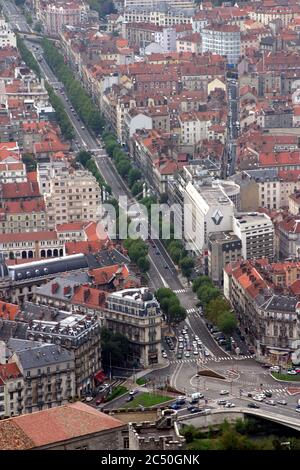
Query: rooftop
{"points": [[54, 426]]}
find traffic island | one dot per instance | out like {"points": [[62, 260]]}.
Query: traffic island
{"points": [[210, 373], [147, 400]]}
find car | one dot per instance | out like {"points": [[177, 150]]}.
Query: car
{"points": [[166, 266], [157, 253], [180, 400], [183, 331], [270, 402], [179, 355], [281, 402], [88, 399], [195, 352], [172, 347], [193, 409], [250, 395], [82, 127], [229, 404], [291, 372], [266, 366], [175, 406], [180, 338], [298, 410], [187, 354], [221, 341], [180, 346], [224, 392], [268, 394], [164, 354], [253, 405], [199, 343], [206, 353], [257, 398], [130, 398], [274, 369], [133, 392], [221, 402]]}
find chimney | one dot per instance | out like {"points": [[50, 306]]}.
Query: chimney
{"points": [[54, 287]]}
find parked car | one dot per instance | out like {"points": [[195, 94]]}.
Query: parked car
{"points": [[165, 355], [274, 369], [130, 398], [257, 398], [133, 392], [88, 399], [179, 355], [224, 392], [187, 354], [221, 402], [291, 372]]}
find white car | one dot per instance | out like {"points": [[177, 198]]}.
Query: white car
{"points": [[224, 392], [89, 399], [206, 353], [291, 372], [229, 405], [187, 354], [274, 369], [257, 398], [180, 346], [164, 354], [281, 402], [195, 352], [180, 338]]}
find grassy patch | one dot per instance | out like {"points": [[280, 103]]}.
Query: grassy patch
{"points": [[290, 378], [147, 399], [141, 381], [117, 392]]}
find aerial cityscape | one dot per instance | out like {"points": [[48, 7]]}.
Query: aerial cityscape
{"points": [[149, 225]]}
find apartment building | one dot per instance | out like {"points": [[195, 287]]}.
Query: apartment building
{"points": [[72, 198], [48, 372], [222, 39], [159, 16], [7, 35], [223, 248], [23, 216], [166, 39], [11, 390], [56, 16], [256, 231], [268, 320], [136, 314], [77, 333]]}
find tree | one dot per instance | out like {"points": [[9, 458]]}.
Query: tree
{"points": [[199, 281], [162, 293], [38, 27], [216, 308], [114, 348], [227, 323], [206, 293], [186, 265], [143, 264], [176, 314], [123, 167], [137, 188], [29, 161], [133, 176]]}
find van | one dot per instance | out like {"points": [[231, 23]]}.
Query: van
{"points": [[196, 396]]}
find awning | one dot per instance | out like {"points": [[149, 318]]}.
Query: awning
{"points": [[278, 353], [99, 376]]}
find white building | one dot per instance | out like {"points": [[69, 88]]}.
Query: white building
{"points": [[68, 13], [7, 35], [224, 40], [256, 230], [207, 209], [166, 39]]}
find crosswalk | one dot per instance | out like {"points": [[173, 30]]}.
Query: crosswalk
{"points": [[211, 359], [180, 291], [191, 310]]}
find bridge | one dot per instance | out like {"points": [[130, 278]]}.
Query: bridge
{"points": [[32, 36], [216, 417]]}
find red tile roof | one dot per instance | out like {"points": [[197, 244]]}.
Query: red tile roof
{"points": [[54, 425], [28, 236], [69, 227], [9, 371], [8, 311], [17, 207], [20, 190]]}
